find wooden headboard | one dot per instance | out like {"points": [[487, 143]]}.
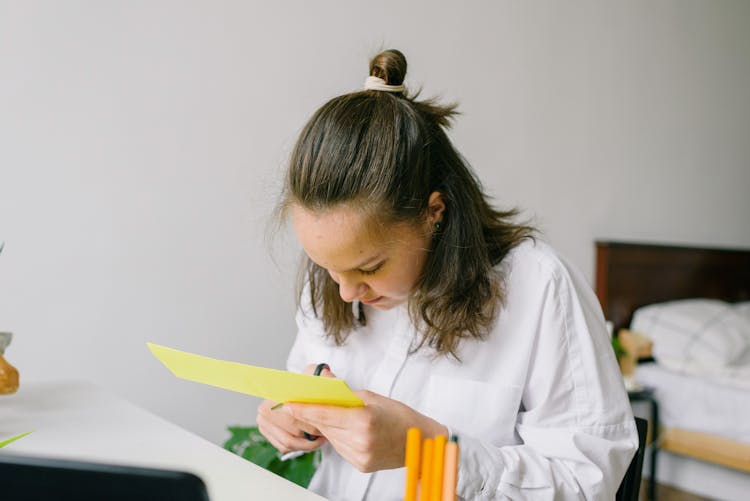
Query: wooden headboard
{"points": [[631, 275]]}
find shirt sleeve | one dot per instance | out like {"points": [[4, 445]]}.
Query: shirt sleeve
{"points": [[575, 423]]}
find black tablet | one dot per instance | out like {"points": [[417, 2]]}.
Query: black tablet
{"points": [[34, 478]]}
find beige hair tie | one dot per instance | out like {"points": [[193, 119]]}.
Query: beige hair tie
{"points": [[377, 83]]}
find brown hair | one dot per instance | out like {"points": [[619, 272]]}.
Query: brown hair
{"points": [[386, 153]]}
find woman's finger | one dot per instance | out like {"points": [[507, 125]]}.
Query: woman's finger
{"points": [[284, 441], [323, 415], [283, 418]]}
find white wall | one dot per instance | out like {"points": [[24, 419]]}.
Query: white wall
{"points": [[142, 145]]}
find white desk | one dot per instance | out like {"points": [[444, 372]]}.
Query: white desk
{"points": [[75, 420]]}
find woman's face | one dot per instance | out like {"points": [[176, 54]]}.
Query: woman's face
{"points": [[378, 265]]}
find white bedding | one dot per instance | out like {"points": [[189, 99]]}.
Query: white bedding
{"points": [[696, 403], [705, 338], [735, 376], [705, 332]]}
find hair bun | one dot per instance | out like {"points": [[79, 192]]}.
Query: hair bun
{"points": [[390, 65]]}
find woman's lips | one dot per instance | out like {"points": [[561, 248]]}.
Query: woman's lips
{"points": [[371, 301]]}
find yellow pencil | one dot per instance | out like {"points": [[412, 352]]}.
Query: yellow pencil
{"points": [[411, 461], [450, 470], [438, 455], [424, 482]]}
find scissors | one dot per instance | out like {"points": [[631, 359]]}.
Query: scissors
{"points": [[318, 369]]}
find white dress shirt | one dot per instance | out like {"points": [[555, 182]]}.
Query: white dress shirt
{"points": [[539, 406]]}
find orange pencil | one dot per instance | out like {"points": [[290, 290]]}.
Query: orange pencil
{"points": [[438, 455], [411, 461], [424, 482], [450, 470]]}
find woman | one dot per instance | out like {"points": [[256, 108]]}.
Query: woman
{"points": [[443, 312]]}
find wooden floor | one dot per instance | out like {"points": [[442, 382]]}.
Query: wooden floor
{"points": [[669, 493]]}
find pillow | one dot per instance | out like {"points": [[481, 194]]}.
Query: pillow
{"points": [[706, 331], [743, 309]]}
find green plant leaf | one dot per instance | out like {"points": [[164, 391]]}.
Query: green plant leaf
{"points": [[262, 455], [249, 443], [617, 346], [301, 469], [13, 439]]}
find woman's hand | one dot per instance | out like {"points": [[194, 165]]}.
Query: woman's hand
{"points": [[370, 438], [281, 428]]}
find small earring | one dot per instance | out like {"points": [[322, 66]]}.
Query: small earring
{"points": [[438, 226]]}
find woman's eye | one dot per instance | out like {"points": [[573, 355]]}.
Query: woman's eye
{"points": [[371, 271]]}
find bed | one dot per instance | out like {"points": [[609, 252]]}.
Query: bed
{"points": [[704, 440]]}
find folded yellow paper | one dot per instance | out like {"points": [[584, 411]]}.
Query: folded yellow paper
{"points": [[270, 384]]}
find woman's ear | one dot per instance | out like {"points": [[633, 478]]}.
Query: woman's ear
{"points": [[435, 208]]}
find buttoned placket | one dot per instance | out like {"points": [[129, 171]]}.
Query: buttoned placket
{"points": [[383, 381]]}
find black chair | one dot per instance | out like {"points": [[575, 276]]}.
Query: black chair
{"points": [[631, 483]]}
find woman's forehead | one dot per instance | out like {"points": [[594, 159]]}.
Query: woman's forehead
{"points": [[342, 237]]}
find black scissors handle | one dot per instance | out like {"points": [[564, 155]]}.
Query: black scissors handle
{"points": [[318, 369]]}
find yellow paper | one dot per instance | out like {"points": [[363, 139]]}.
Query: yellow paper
{"points": [[270, 384]]}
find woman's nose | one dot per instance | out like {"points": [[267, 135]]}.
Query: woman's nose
{"points": [[349, 290]]}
